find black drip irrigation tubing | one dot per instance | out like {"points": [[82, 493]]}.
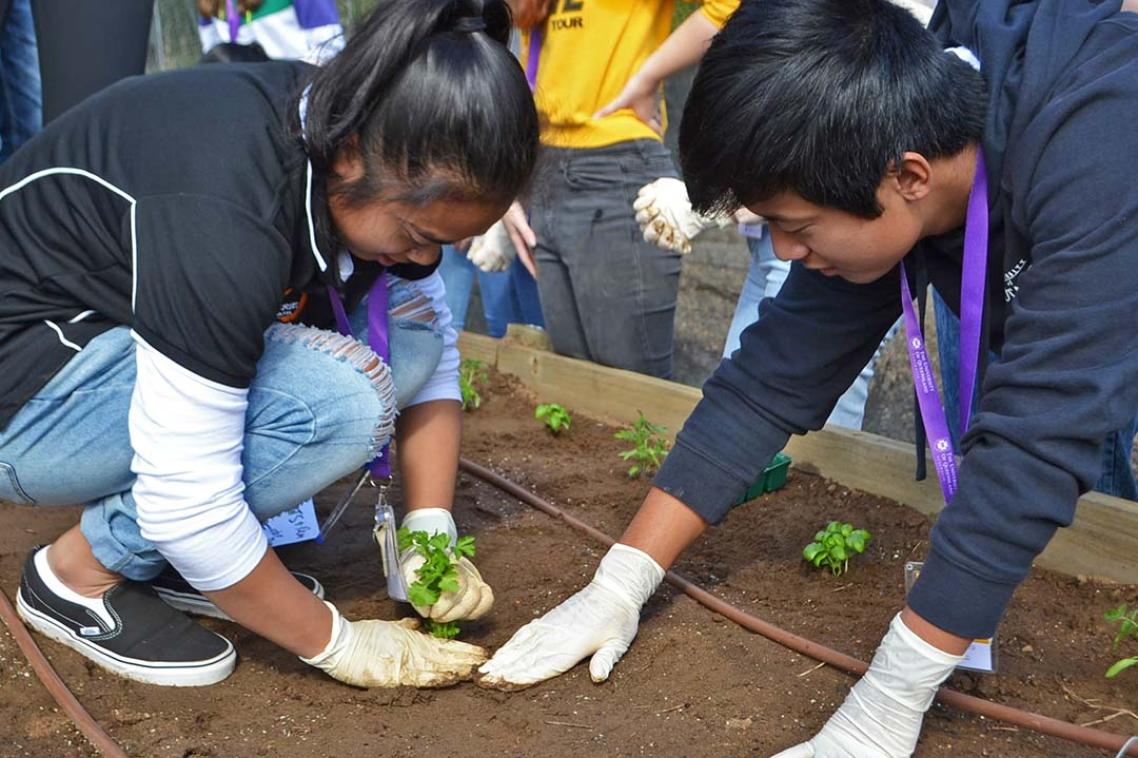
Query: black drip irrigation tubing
{"points": [[1035, 722]]}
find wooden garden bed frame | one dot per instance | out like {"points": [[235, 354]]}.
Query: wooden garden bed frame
{"points": [[1102, 543]]}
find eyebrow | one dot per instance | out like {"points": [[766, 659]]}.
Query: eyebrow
{"points": [[428, 236], [788, 219]]}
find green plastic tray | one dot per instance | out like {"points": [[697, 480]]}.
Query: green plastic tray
{"points": [[773, 478]]}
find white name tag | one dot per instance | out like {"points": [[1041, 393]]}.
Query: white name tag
{"points": [[296, 525]]}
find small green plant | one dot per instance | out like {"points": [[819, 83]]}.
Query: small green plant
{"points": [[438, 574], [471, 373], [835, 545], [650, 446], [555, 417], [1128, 627]]}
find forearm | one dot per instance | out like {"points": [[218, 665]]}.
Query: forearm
{"points": [[683, 47], [273, 604], [429, 436], [663, 527]]}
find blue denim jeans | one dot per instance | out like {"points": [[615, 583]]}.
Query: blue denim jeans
{"points": [[508, 297], [1117, 477], [311, 420], [21, 99], [765, 277]]}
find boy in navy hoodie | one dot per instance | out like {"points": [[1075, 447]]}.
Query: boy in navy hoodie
{"points": [[862, 137]]}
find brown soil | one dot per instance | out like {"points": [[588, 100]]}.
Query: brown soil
{"points": [[692, 685]]}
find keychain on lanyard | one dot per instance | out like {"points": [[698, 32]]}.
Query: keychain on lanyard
{"points": [[378, 471], [973, 274]]}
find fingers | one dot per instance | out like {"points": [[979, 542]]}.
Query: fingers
{"points": [[535, 653], [484, 604], [445, 662], [453, 606], [612, 107], [644, 200], [517, 239], [604, 659], [528, 261]]}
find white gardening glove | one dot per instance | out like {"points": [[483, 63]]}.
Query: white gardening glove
{"points": [[881, 717], [473, 598], [493, 251], [666, 217], [391, 653], [600, 620]]}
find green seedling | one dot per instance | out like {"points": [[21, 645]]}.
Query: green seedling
{"points": [[650, 446], [438, 574], [835, 545], [1128, 628], [471, 373], [555, 417]]}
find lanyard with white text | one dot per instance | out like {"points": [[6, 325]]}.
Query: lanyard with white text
{"points": [[973, 273]]}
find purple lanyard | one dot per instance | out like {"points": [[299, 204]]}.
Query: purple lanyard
{"points": [[974, 271], [234, 19], [377, 339], [532, 57]]}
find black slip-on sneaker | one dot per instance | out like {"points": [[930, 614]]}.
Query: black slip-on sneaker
{"points": [[129, 631], [178, 593]]}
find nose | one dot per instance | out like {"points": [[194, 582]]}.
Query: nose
{"points": [[786, 247]]}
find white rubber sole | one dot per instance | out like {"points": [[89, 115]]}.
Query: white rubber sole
{"points": [[198, 605], [198, 674]]}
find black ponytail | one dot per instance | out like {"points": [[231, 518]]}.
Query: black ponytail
{"points": [[429, 96]]}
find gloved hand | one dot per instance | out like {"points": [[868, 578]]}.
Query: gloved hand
{"points": [[881, 717], [473, 598], [493, 251], [666, 217], [600, 620], [391, 653]]}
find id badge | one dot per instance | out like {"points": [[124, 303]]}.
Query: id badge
{"points": [[385, 539]]}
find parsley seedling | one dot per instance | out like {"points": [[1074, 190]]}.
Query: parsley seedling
{"points": [[438, 574]]}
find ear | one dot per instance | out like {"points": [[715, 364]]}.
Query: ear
{"points": [[912, 179], [348, 164]]}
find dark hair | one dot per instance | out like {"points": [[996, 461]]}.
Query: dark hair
{"points": [[427, 93], [821, 97], [234, 52]]}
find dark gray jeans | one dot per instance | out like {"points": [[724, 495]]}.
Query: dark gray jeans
{"points": [[607, 295]]}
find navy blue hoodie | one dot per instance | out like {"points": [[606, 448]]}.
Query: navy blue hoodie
{"points": [[1061, 145]]}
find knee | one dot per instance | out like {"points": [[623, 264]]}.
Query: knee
{"points": [[345, 393]]}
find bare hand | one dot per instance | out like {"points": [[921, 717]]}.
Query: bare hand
{"points": [[522, 235], [642, 97]]}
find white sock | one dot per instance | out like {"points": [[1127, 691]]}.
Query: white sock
{"points": [[43, 568]]}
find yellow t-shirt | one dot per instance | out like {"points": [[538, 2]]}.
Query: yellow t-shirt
{"points": [[590, 49]]}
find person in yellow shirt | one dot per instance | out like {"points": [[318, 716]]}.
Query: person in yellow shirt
{"points": [[596, 67]]}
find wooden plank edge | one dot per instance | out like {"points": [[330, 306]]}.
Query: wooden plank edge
{"points": [[1102, 542]]}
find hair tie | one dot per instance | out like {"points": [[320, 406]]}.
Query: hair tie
{"points": [[469, 24]]}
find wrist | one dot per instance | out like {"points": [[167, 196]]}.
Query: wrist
{"points": [[432, 521], [908, 668], [629, 573], [337, 628]]}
